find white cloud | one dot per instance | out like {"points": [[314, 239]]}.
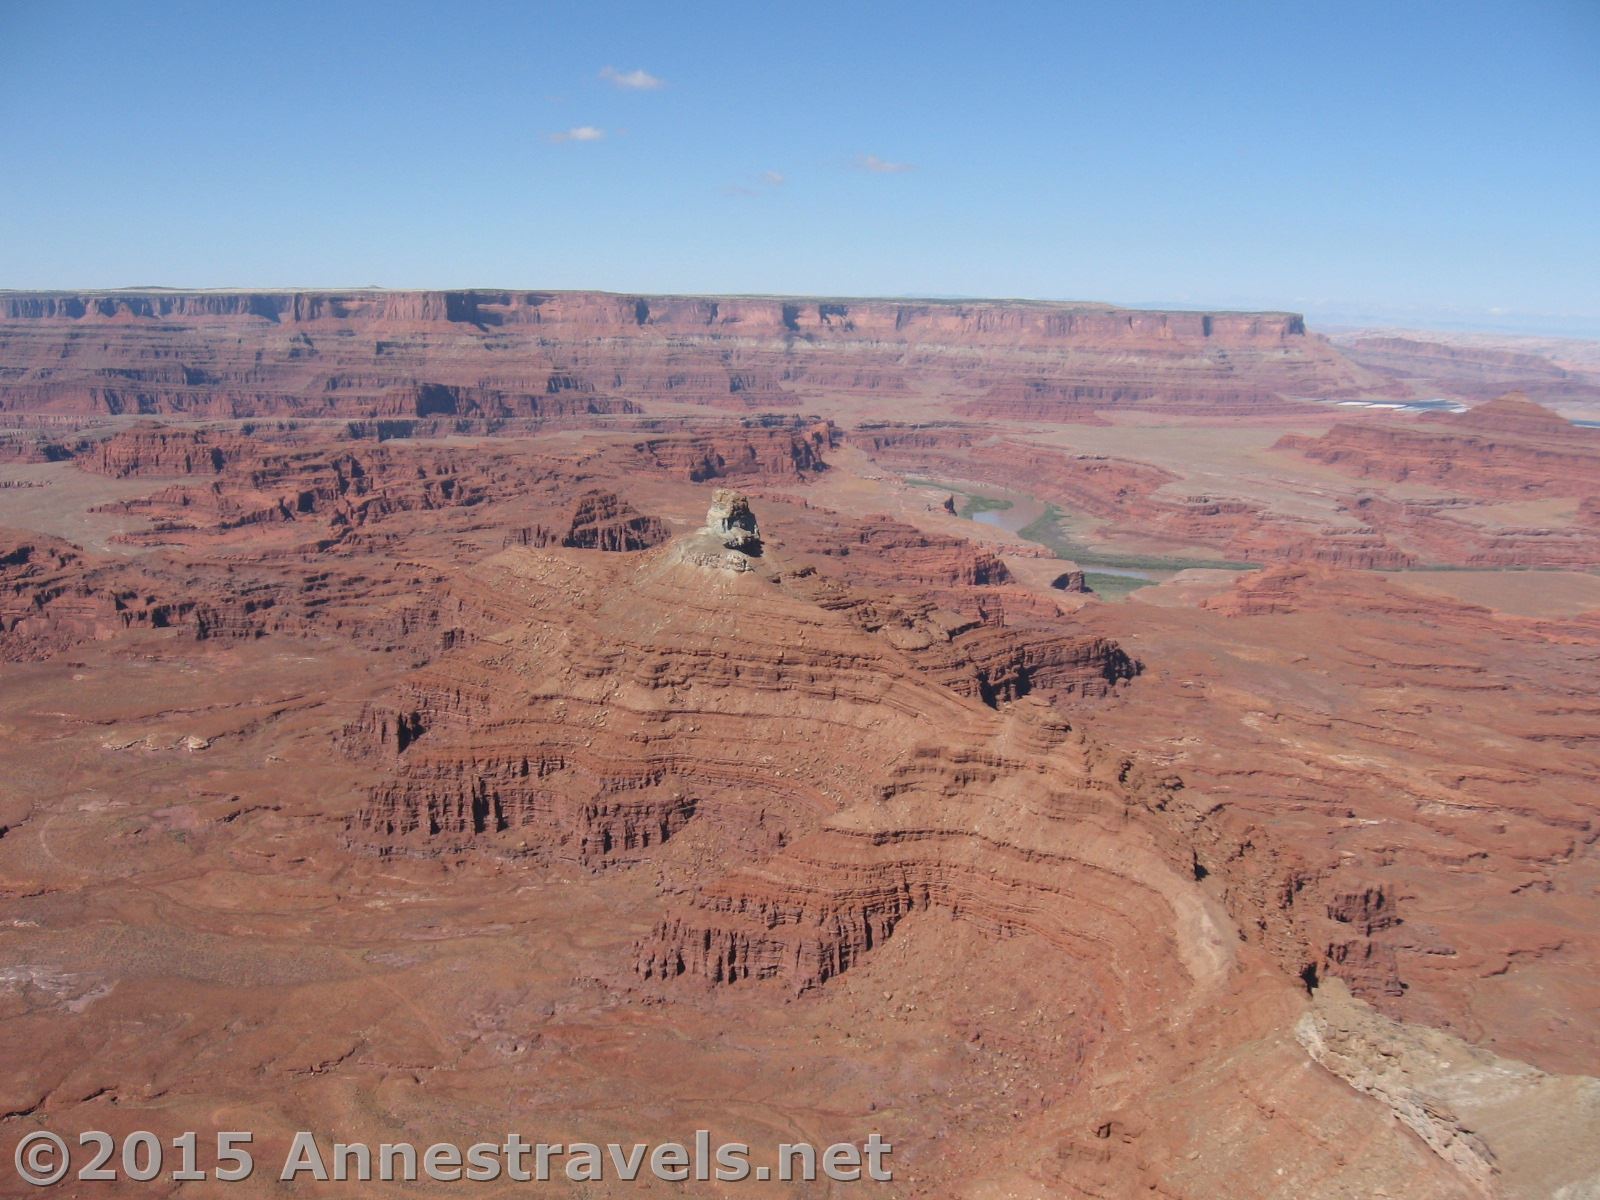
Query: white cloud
{"points": [[636, 81], [578, 133], [879, 166], [772, 178]]}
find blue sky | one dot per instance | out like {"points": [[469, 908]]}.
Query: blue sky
{"points": [[1430, 158]]}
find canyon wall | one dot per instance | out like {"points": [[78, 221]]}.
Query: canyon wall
{"points": [[1472, 367], [576, 356], [1509, 448]]}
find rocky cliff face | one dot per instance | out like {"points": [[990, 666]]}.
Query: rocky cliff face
{"points": [[1342, 858], [604, 521], [1130, 495], [53, 596], [588, 356], [450, 790], [1509, 448], [1428, 367], [480, 740], [769, 448], [967, 322], [676, 706], [731, 522], [224, 481]]}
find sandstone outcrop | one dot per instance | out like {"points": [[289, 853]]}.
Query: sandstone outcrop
{"points": [[588, 357], [1442, 531], [1069, 581], [1340, 844], [437, 706], [984, 660], [1367, 530], [604, 521], [1467, 1105], [768, 449], [1431, 366], [1505, 449], [53, 597], [731, 522]]}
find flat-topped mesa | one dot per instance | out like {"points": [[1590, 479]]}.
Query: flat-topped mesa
{"points": [[730, 519], [586, 358], [1006, 322]]}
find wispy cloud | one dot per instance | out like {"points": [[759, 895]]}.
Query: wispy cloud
{"points": [[635, 81], [767, 181], [578, 133], [881, 166]]}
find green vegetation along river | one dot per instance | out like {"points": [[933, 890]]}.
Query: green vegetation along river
{"points": [[1111, 575]]}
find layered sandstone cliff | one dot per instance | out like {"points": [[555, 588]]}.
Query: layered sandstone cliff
{"points": [[1508, 448], [481, 740], [1471, 367], [588, 357]]}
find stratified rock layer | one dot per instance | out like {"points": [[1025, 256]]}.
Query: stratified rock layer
{"points": [[422, 745], [1508, 448], [573, 355]]}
